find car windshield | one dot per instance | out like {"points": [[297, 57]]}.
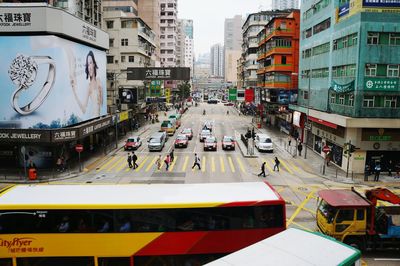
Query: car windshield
{"points": [[266, 140], [154, 141], [181, 137], [228, 139], [186, 130], [327, 211], [166, 124], [211, 140], [132, 140], [205, 132]]}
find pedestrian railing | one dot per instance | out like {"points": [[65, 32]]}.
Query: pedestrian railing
{"points": [[244, 139]]}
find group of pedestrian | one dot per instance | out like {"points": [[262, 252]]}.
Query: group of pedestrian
{"points": [[132, 160], [299, 145], [276, 167], [376, 168], [61, 164]]}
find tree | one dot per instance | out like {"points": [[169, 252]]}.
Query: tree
{"points": [[184, 90]]}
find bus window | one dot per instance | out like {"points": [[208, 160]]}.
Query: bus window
{"points": [[6, 262], [114, 261], [59, 261]]}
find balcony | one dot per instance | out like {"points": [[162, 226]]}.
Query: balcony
{"points": [[278, 68], [275, 84], [278, 33], [279, 50]]}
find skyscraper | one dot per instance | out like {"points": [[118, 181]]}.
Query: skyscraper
{"points": [[217, 60], [168, 32], [185, 43], [232, 44]]}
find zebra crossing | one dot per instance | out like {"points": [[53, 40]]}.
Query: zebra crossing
{"points": [[222, 164]]}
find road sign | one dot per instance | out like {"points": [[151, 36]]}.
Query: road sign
{"points": [[79, 148], [326, 149]]}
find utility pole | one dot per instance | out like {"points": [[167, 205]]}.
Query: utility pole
{"points": [[348, 147]]}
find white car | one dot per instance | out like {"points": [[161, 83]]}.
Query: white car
{"points": [[204, 134], [263, 143]]}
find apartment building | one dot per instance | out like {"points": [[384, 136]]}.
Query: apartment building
{"points": [[349, 81], [284, 4], [149, 11], [217, 60], [168, 33], [232, 45]]}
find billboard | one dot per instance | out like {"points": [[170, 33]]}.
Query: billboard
{"points": [[158, 73], [128, 95], [50, 82], [232, 94]]}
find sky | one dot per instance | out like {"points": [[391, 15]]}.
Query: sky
{"points": [[209, 15]]}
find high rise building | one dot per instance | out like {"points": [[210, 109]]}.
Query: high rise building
{"points": [[217, 60], [149, 11], [127, 6], [185, 43], [168, 32], [284, 4], [349, 92], [232, 44]]}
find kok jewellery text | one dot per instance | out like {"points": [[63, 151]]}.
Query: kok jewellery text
{"points": [[19, 136]]}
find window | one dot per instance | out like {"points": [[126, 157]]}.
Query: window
{"points": [[394, 39], [111, 42], [370, 70], [306, 53], [110, 24], [368, 101], [345, 215], [131, 59], [333, 98], [128, 24], [283, 59], [307, 33], [373, 38], [123, 59], [305, 96], [360, 215], [322, 26], [344, 71], [110, 59], [390, 101], [321, 49], [393, 70], [351, 99], [335, 45], [341, 99], [124, 42]]}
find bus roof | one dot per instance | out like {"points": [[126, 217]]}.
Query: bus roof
{"points": [[49, 196], [293, 247], [343, 198]]}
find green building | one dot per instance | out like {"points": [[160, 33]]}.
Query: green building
{"points": [[349, 81]]}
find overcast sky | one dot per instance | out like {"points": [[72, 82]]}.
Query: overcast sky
{"points": [[209, 15]]}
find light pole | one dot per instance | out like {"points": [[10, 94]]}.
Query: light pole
{"points": [[308, 113], [116, 128]]}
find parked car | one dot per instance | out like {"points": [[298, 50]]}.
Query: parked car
{"points": [[157, 141], [204, 134], [210, 143], [188, 132], [133, 143], [208, 124], [212, 101], [263, 143], [228, 143], [181, 141], [228, 104]]}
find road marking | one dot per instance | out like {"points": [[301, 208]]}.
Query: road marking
{"points": [[185, 163], [293, 166], [240, 164], [171, 167], [151, 163], [300, 207], [203, 164], [115, 164], [268, 166], [212, 164], [106, 164], [304, 166], [306, 228], [231, 164], [285, 166], [142, 164], [221, 161]]}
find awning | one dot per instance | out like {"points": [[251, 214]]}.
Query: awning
{"points": [[322, 122]]}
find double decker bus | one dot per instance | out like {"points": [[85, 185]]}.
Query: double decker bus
{"points": [[294, 247], [142, 224]]}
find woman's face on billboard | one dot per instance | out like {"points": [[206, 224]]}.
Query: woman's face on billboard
{"points": [[90, 66]]}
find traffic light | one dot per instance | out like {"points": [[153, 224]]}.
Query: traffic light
{"points": [[352, 148]]}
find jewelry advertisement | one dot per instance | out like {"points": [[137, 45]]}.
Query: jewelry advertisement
{"points": [[50, 82]]}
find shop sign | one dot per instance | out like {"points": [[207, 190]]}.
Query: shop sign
{"points": [[343, 88], [380, 138], [328, 136], [381, 3], [381, 84], [157, 73], [380, 134], [296, 118], [232, 94], [15, 19], [123, 116], [64, 134], [94, 127], [155, 88], [20, 135]]}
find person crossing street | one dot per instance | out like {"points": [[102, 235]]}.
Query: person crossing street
{"points": [[196, 161], [277, 163], [171, 155], [129, 160], [262, 170], [134, 159]]}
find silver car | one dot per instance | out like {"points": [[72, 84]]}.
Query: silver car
{"points": [[263, 143]]}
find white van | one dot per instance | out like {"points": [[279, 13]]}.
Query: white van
{"points": [[157, 141], [263, 143]]}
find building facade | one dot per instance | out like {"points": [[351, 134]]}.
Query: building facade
{"points": [[131, 44], [149, 11], [217, 60], [168, 33], [284, 4], [232, 45], [349, 82], [278, 59], [254, 23]]}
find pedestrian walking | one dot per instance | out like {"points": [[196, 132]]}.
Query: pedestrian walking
{"points": [[366, 172], [328, 158], [299, 148], [59, 164], [277, 163], [171, 155], [377, 171], [390, 167], [289, 140], [167, 161], [262, 170], [196, 161], [129, 160], [158, 162], [134, 159]]}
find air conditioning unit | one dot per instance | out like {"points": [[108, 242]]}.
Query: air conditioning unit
{"points": [[116, 61]]}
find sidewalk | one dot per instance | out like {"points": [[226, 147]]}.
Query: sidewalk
{"points": [[316, 162]]}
